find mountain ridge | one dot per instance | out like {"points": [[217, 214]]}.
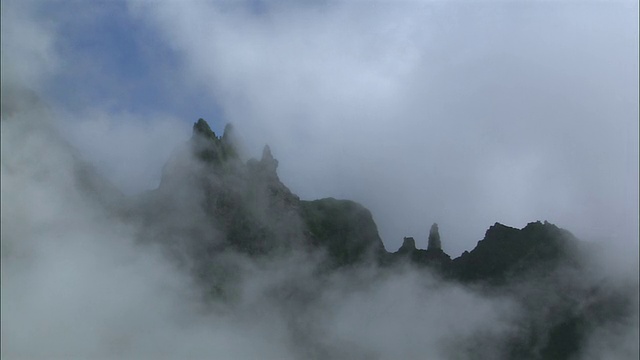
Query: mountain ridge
{"points": [[255, 210], [216, 208]]}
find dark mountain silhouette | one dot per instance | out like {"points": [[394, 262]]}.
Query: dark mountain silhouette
{"points": [[211, 203], [248, 209]]}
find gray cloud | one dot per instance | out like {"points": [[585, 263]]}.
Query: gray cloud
{"points": [[465, 114]]}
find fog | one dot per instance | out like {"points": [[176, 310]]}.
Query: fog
{"points": [[422, 111]]}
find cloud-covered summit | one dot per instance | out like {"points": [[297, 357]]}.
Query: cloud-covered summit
{"points": [[223, 250], [420, 111]]}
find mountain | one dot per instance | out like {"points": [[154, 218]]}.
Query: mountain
{"points": [[212, 207], [247, 208], [227, 203]]}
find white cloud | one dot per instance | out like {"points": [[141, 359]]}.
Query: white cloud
{"points": [[28, 54], [436, 111], [128, 149]]}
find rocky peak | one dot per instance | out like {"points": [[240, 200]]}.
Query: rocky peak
{"points": [[211, 148], [229, 142], [499, 231], [434, 238], [505, 252], [229, 130], [408, 245], [201, 128], [268, 162]]}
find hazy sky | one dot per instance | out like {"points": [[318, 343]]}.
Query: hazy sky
{"points": [[463, 113]]}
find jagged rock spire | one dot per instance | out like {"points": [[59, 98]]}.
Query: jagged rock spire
{"points": [[434, 238], [202, 128], [266, 154], [267, 161], [209, 147], [228, 142], [228, 134]]}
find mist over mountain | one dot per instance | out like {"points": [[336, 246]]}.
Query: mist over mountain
{"points": [[223, 248], [442, 180]]}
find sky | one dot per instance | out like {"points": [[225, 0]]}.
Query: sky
{"points": [[456, 112]]}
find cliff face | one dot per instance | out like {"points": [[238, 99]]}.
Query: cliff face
{"points": [[345, 229]]}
